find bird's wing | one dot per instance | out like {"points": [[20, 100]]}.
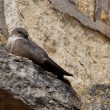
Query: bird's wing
{"points": [[29, 49], [56, 68]]}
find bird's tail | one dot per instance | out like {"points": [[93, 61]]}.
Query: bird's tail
{"points": [[56, 69]]}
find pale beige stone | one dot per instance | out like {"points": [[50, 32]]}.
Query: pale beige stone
{"points": [[87, 6]]}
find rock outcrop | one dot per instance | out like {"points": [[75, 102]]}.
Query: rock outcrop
{"points": [[35, 87], [3, 27]]}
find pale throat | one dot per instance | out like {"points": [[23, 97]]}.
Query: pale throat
{"points": [[12, 41], [13, 38]]}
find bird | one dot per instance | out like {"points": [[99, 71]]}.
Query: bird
{"points": [[20, 44]]}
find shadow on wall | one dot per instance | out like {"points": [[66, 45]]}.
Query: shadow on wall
{"points": [[7, 102]]}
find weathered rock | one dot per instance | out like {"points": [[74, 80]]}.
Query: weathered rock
{"points": [[3, 28], [37, 88], [7, 101], [66, 6], [102, 9], [12, 14], [97, 97]]}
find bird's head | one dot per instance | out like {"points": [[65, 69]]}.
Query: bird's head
{"points": [[20, 32]]}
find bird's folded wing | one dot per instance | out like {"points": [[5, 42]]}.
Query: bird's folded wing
{"points": [[29, 49]]}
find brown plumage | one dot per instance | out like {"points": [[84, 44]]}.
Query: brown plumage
{"points": [[19, 44]]}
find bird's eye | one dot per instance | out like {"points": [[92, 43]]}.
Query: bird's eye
{"points": [[19, 32]]}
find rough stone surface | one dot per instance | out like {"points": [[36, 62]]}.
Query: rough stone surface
{"points": [[97, 98], [87, 6], [7, 101], [70, 9], [3, 27], [35, 87], [79, 50], [12, 15]]}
